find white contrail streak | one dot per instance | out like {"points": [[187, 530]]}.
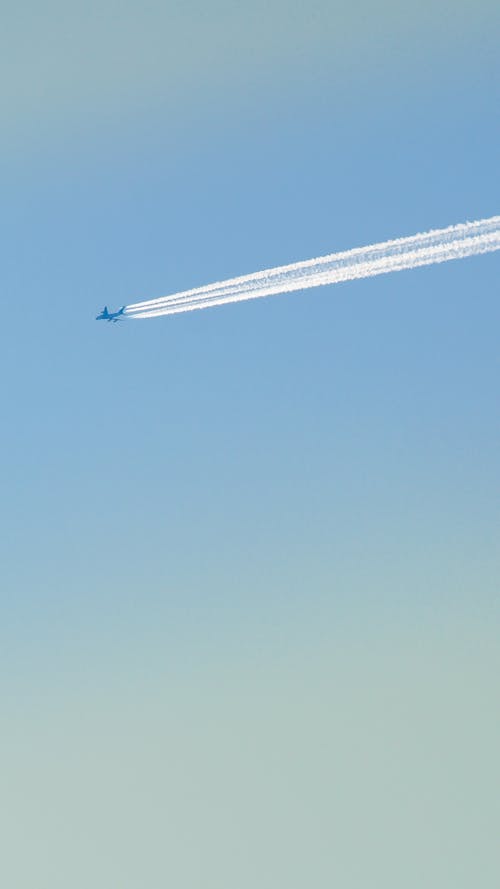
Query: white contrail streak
{"points": [[441, 245]]}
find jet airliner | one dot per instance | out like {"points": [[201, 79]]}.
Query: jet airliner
{"points": [[110, 316]]}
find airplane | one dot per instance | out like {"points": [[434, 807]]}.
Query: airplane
{"points": [[110, 316]]}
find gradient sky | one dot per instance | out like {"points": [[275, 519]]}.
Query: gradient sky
{"points": [[248, 556]]}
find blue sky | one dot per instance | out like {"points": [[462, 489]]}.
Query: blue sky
{"points": [[248, 556]]}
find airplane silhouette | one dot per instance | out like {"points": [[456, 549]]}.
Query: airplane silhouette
{"points": [[110, 316]]}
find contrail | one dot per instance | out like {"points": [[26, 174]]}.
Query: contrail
{"points": [[440, 245]]}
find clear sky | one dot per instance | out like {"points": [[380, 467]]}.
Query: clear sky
{"points": [[248, 556]]}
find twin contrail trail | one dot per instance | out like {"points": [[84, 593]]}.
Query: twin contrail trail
{"points": [[454, 242]]}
